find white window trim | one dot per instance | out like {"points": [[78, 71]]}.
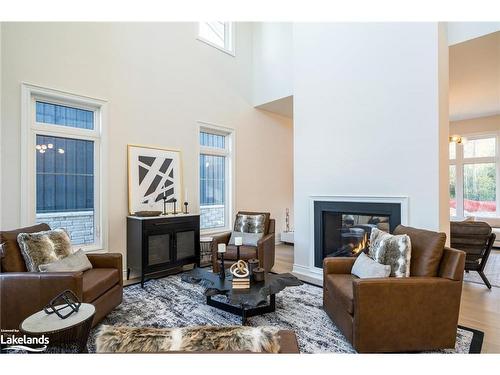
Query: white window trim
{"points": [[29, 128], [459, 163], [229, 153], [229, 45]]}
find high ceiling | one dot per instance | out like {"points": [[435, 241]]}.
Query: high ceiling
{"points": [[475, 78]]}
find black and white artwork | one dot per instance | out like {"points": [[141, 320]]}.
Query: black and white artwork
{"points": [[154, 173]]}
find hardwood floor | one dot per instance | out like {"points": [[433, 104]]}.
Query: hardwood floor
{"points": [[480, 307]]}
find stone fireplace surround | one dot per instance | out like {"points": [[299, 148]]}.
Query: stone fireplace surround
{"points": [[310, 272]]}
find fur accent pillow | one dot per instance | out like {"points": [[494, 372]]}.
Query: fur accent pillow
{"points": [[122, 339], [76, 262], [392, 250], [365, 267], [43, 247], [250, 223]]}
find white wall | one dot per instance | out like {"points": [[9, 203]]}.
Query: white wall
{"points": [[475, 78], [488, 124], [159, 81], [459, 32], [273, 63], [367, 119]]}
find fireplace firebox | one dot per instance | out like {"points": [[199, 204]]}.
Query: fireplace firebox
{"points": [[343, 228]]}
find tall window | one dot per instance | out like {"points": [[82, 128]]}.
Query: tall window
{"points": [[63, 147], [215, 179], [218, 34], [473, 177]]}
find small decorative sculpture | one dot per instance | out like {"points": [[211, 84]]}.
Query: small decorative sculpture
{"points": [[186, 207], [287, 220], [239, 269], [70, 301]]}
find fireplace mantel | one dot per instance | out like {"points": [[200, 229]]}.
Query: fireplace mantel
{"points": [[314, 274]]}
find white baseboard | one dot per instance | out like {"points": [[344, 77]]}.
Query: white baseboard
{"points": [[306, 274]]}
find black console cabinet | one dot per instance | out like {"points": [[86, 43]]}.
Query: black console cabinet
{"points": [[160, 243]]}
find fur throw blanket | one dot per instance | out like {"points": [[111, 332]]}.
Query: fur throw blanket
{"points": [[122, 339]]}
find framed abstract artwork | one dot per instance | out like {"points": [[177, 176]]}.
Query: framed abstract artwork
{"points": [[153, 173]]}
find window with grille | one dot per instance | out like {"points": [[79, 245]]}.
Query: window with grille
{"points": [[215, 179], [218, 34], [473, 177], [63, 143]]}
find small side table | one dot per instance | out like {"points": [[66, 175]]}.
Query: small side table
{"points": [[70, 334], [205, 251]]}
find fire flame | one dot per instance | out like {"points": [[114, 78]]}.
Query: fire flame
{"points": [[361, 245]]}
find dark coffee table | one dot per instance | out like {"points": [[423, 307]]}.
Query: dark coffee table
{"points": [[259, 299]]}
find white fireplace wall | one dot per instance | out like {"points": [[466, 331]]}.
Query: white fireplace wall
{"points": [[367, 120]]}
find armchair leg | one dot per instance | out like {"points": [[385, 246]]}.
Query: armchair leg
{"points": [[485, 279]]}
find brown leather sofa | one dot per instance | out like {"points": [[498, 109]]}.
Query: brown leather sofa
{"points": [[409, 314], [264, 251], [23, 293]]}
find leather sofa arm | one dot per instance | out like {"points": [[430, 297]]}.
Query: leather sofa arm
{"points": [[216, 240], [452, 264], [24, 293], [338, 265], [389, 309], [266, 251], [108, 260]]}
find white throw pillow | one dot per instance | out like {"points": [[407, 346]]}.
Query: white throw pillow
{"points": [[365, 267], [248, 239], [75, 262]]}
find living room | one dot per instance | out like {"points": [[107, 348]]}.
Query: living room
{"points": [[263, 186]]}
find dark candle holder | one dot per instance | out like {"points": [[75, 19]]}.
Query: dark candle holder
{"points": [[252, 264], [259, 274], [222, 270], [164, 204], [175, 206], [186, 207]]}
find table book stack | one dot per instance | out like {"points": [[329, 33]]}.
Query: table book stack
{"points": [[241, 283]]}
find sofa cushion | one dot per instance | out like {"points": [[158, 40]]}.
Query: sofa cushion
{"points": [[43, 247], [426, 250], [340, 288], [12, 260], [97, 281], [246, 252]]}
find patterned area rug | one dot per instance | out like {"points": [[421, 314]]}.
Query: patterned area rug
{"points": [[170, 302]]}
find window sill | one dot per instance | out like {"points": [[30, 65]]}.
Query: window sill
{"points": [[214, 231]]}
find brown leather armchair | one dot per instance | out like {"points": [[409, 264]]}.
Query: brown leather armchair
{"points": [[476, 239], [23, 293], [408, 314], [264, 251]]}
